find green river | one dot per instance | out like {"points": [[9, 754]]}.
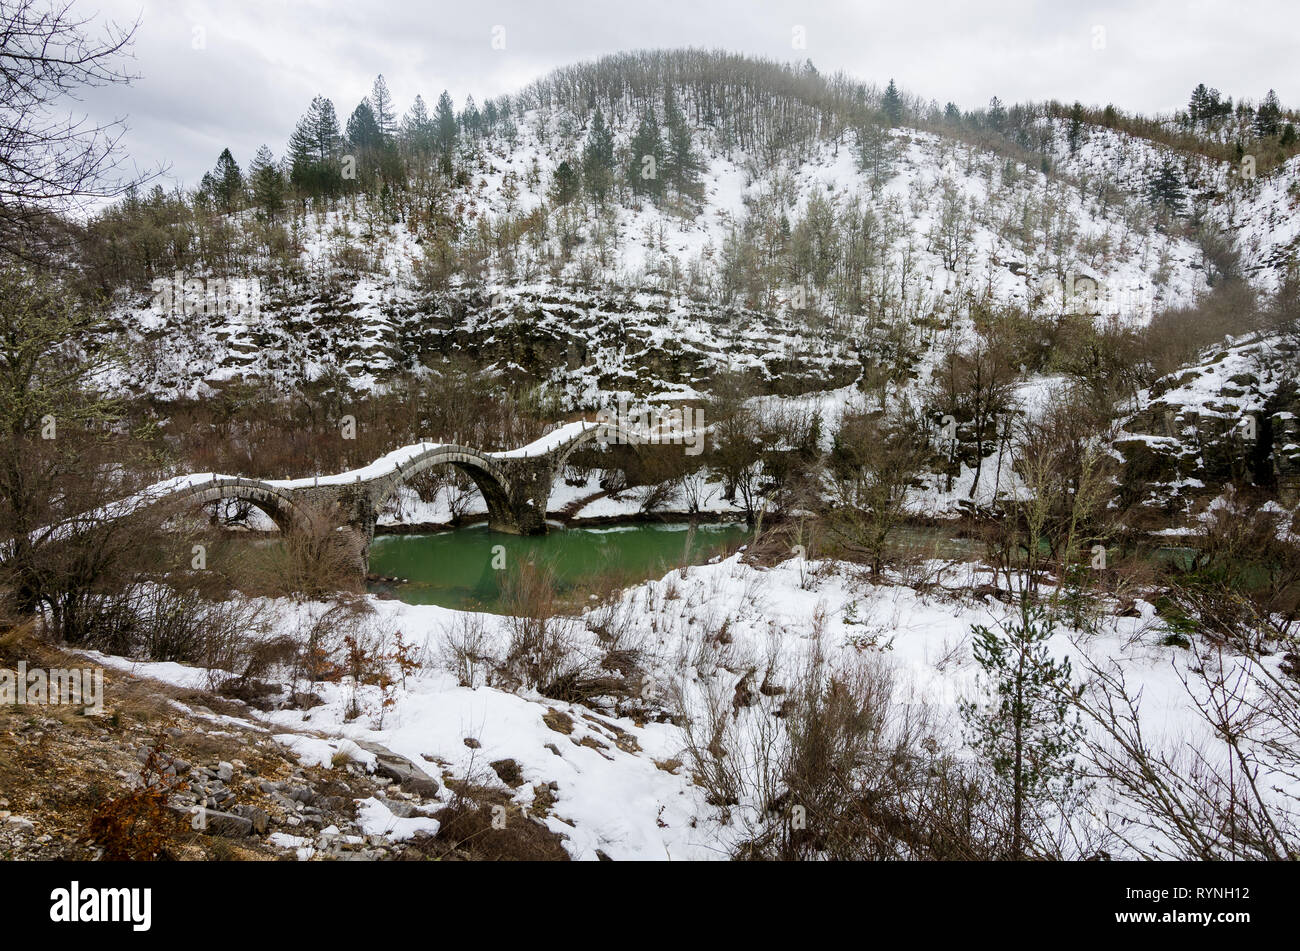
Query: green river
{"points": [[464, 568]]}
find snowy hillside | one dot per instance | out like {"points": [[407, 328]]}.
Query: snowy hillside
{"points": [[636, 298]]}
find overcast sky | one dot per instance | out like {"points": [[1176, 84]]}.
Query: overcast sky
{"points": [[237, 73]]}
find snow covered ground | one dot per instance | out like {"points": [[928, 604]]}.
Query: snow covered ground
{"points": [[624, 783]]}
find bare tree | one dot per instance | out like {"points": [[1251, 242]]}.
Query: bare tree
{"points": [[875, 461], [51, 160]]}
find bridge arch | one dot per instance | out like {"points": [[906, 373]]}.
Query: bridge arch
{"points": [[612, 433], [491, 480], [277, 503]]}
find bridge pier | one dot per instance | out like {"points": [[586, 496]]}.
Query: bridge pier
{"points": [[529, 489]]}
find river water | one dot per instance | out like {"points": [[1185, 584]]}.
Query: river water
{"points": [[465, 568]]}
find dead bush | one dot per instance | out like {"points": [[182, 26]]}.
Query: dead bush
{"points": [[545, 649], [467, 650], [317, 559], [137, 825]]}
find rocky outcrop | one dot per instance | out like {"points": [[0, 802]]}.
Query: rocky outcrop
{"points": [[1233, 418]]}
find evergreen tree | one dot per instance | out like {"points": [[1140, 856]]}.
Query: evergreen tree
{"points": [[645, 160], [1203, 106], [366, 144], [470, 119], [417, 128], [598, 159], [363, 131], [1166, 187], [314, 151], [225, 183], [1028, 728], [1269, 116], [445, 130], [565, 186], [997, 115], [684, 165], [266, 184], [951, 113], [876, 152], [1074, 133], [892, 104], [381, 105]]}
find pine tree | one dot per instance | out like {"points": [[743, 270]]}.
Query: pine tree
{"points": [[892, 104], [876, 152], [470, 119], [598, 159], [225, 183], [366, 144], [1166, 187], [684, 166], [565, 186], [314, 151], [1269, 116], [1074, 134], [645, 160], [266, 184], [1028, 728], [417, 128], [997, 115], [381, 105], [1198, 106], [445, 130], [363, 132]]}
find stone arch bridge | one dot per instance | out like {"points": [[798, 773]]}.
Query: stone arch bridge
{"points": [[516, 484]]}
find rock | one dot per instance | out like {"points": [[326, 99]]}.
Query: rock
{"points": [[20, 824], [401, 770], [403, 810], [225, 772], [508, 772], [558, 720], [303, 700], [260, 818], [290, 805], [228, 824]]}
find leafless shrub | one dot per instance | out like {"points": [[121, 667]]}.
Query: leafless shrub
{"points": [[467, 650], [1223, 798], [318, 558], [1243, 582], [545, 649]]}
